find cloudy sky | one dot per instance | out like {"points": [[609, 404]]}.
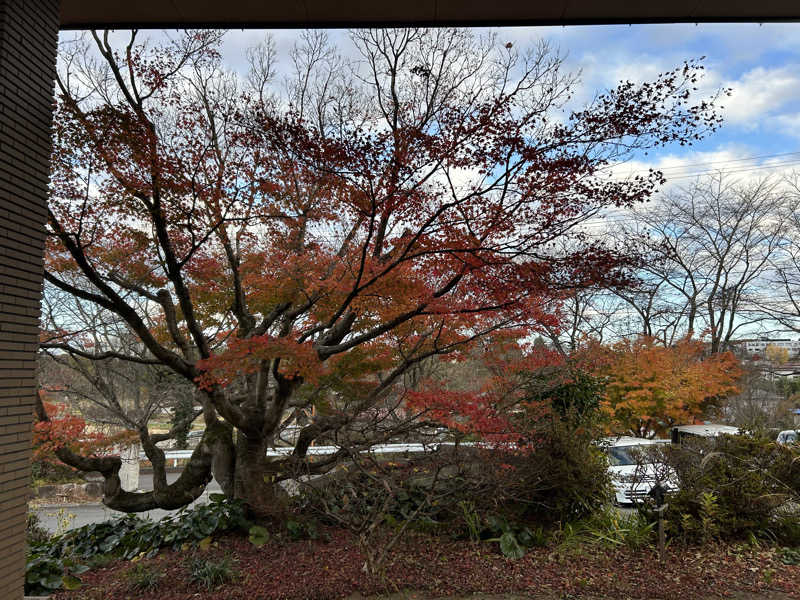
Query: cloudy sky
{"points": [[761, 63]]}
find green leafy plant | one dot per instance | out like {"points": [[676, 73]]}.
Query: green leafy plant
{"points": [[611, 528], [709, 513], [514, 539], [258, 535], [100, 561], [127, 538], [210, 573], [608, 527], [790, 556], [142, 577], [302, 530], [46, 574], [471, 519]]}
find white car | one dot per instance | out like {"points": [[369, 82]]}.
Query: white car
{"points": [[790, 436], [631, 476]]}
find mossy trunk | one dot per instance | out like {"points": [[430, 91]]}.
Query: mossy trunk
{"points": [[254, 480]]}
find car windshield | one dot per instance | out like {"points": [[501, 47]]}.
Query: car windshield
{"points": [[622, 455]]}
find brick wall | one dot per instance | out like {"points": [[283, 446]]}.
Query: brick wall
{"points": [[28, 38]]}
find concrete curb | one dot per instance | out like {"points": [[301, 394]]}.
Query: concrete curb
{"points": [[70, 505]]}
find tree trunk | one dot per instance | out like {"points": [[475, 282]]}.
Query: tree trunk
{"points": [[254, 480], [223, 463]]}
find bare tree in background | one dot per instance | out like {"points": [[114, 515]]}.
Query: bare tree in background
{"points": [[712, 245], [783, 305], [105, 371]]}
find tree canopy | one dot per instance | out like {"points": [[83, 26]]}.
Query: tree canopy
{"points": [[293, 253], [649, 387]]}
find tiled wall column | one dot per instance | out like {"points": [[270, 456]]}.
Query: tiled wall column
{"points": [[28, 42]]}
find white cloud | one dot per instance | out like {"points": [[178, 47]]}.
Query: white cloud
{"points": [[759, 93], [788, 123]]}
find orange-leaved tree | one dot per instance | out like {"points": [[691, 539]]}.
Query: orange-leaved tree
{"points": [[649, 386], [294, 257]]}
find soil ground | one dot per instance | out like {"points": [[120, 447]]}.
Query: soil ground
{"points": [[426, 568]]}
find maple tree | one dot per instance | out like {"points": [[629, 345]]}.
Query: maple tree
{"points": [[295, 257], [650, 387]]}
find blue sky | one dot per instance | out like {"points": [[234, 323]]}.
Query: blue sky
{"points": [[761, 63]]}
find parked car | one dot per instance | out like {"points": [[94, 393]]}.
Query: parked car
{"points": [[705, 430], [632, 476], [790, 436]]}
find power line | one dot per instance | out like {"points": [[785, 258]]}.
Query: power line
{"points": [[691, 169], [733, 171], [720, 162]]}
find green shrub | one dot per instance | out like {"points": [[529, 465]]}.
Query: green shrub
{"points": [[564, 479], [141, 577], [611, 528], [735, 487], [210, 573]]}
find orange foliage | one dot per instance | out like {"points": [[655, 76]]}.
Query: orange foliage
{"points": [[650, 387], [66, 430]]}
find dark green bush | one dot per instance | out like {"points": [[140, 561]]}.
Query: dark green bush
{"points": [[564, 479], [735, 487]]}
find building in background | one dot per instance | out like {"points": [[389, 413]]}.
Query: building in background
{"points": [[758, 346]]}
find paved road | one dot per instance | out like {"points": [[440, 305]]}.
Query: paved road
{"points": [[96, 513]]}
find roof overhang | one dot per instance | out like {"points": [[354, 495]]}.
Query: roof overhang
{"points": [[82, 14]]}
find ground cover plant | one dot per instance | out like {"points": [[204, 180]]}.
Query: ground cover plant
{"points": [[53, 563], [440, 526]]}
